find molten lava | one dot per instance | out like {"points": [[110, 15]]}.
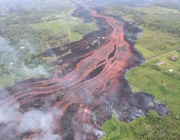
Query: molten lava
{"points": [[82, 100]]}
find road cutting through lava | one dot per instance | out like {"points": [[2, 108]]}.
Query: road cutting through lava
{"points": [[90, 93]]}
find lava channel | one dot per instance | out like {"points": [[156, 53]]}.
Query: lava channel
{"points": [[76, 105]]}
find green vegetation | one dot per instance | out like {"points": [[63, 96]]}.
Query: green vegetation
{"points": [[168, 63], [165, 87], [57, 95], [148, 127], [161, 27], [7, 80], [116, 130], [155, 42], [157, 10], [159, 41], [26, 34]]}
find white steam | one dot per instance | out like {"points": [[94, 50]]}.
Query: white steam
{"points": [[89, 129], [4, 44], [34, 71], [28, 122]]}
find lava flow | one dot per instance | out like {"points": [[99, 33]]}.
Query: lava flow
{"points": [[75, 106]]}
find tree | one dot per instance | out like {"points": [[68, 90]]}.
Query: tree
{"points": [[57, 95]]}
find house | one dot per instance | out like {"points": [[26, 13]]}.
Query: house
{"points": [[174, 57]]}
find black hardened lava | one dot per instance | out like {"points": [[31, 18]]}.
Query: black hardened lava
{"points": [[75, 105]]}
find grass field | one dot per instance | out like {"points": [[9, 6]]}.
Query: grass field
{"points": [[165, 87], [157, 37], [161, 27], [156, 10], [153, 42], [169, 64], [38, 33], [66, 26]]}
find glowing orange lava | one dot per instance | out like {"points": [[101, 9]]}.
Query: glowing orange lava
{"points": [[89, 94]]}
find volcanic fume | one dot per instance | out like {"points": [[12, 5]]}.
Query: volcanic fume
{"points": [[75, 106]]}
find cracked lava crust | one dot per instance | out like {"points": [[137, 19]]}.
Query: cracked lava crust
{"points": [[87, 95]]}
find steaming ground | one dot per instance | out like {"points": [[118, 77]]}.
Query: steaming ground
{"points": [[14, 121], [13, 62], [76, 105]]}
